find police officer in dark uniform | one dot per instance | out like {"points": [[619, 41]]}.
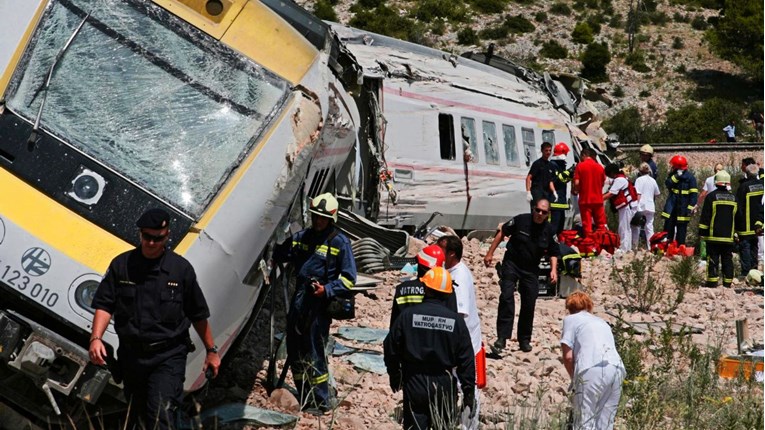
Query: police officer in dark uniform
{"points": [[423, 345], [749, 218], [716, 227], [323, 259], [412, 291], [531, 237], [154, 296], [539, 183]]}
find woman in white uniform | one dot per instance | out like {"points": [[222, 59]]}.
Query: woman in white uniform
{"points": [[595, 367]]}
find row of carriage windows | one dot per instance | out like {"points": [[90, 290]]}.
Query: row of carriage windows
{"points": [[491, 146]]}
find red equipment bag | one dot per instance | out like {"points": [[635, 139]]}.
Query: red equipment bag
{"points": [[480, 368], [606, 240], [587, 247], [659, 242], [567, 237]]}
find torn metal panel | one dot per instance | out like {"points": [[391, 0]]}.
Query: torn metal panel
{"points": [[363, 334], [238, 412]]}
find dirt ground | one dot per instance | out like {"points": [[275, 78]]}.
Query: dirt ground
{"points": [[515, 382]]}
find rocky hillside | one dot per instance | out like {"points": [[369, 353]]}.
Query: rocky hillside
{"points": [[672, 65]]}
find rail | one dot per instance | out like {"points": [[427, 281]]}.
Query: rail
{"points": [[695, 147]]}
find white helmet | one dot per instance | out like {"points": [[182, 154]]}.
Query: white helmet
{"points": [[325, 205], [646, 149]]}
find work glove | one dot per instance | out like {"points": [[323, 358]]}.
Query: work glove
{"points": [[555, 195], [529, 198], [695, 209], [395, 380]]}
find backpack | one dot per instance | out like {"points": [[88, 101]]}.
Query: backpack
{"points": [[606, 240]]}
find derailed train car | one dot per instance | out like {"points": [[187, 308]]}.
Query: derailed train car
{"points": [[216, 111]]}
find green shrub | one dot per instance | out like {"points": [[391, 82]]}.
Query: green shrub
{"points": [[615, 21], [699, 23], [438, 27], [628, 124], [685, 273], [642, 282], [323, 10], [467, 36], [495, 33], [594, 22], [659, 18], [678, 17], [594, 61], [540, 16], [489, 6], [369, 4], [582, 33], [429, 10], [643, 94], [386, 21], [554, 50], [618, 91], [637, 62], [559, 8], [518, 24]]}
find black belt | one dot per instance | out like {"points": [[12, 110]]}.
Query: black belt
{"points": [[145, 347]]}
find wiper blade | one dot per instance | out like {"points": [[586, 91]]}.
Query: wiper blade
{"points": [[45, 84]]}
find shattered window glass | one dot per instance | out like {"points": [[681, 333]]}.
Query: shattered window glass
{"points": [[469, 137], [146, 94], [490, 146], [548, 136], [529, 150], [511, 151]]}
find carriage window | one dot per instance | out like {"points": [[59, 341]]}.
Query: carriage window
{"points": [[490, 146], [511, 151], [469, 140], [529, 150], [548, 136], [446, 136]]}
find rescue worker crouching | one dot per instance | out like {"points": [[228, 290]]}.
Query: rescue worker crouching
{"points": [[412, 291], [325, 268], [424, 344], [716, 227], [681, 201]]}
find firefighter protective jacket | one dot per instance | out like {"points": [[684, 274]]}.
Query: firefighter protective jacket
{"points": [[562, 177], [749, 217], [717, 216], [683, 195], [328, 261], [412, 292], [430, 339]]}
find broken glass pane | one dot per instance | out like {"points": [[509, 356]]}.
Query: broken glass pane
{"points": [[148, 95]]}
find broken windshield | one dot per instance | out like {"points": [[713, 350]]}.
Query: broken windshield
{"points": [[147, 95]]}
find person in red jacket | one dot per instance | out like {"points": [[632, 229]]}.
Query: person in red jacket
{"points": [[589, 178]]}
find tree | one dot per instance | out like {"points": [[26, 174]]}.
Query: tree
{"points": [[582, 33], [737, 35], [594, 60]]}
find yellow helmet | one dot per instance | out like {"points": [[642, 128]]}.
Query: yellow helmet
{"points": [[438, 279], [324, 205], [648, 149], [722, 178]]}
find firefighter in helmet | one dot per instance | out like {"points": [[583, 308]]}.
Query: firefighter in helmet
{"points": [[646, 156], [562, 176], [716, 227], [681, 201], [323, 260]]}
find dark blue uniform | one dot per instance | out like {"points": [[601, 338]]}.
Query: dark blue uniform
{"points": [[749, 220], [716, 227], [331, 263], [528, 243], [424, 344], [559, 207], [683, 195], [410, 293], [153, 303]]}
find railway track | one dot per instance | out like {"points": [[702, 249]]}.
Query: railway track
{"points": [[695, 147]]}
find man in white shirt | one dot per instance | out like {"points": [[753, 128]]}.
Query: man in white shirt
{"points": [[709, 186], [464, 289], [647, 190]]}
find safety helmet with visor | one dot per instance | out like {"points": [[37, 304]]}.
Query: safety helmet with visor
{"points": [[431, 256], [560, 149], [324, 205], [678, 162]]}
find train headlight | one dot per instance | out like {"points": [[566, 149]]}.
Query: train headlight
{"points": [[84, 293], [87, 187]]}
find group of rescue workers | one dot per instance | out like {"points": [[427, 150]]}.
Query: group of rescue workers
{"points": [[434, 347]]}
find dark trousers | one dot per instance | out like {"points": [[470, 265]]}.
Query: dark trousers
{"points": [[557, 218], [676, 230], [153, 386], [307, 334], [715, 253], [528, 287], [430, 401], [748, 248]]}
